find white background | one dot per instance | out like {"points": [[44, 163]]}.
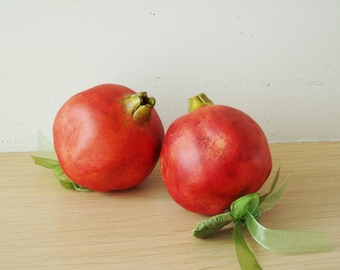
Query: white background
{"points": [[279, 61]]}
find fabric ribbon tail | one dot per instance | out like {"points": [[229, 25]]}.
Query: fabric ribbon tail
{"points": [[245, 256], [286, 241]]}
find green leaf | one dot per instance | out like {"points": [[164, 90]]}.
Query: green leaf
{"points": [[211, 225], [270, 201], [272, 187], [58, 172], [65, 181], [45, 162], [245, 256], [286, 241], [47, 158]]}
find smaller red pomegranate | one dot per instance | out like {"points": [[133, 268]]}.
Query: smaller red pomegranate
{"points": [[212, 156], [108, 137]]}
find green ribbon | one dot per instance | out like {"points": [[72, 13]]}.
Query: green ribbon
{"points": [[246, 257], [47, 158], [244, 212], [286, 241]]}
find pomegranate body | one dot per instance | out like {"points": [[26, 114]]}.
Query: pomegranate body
{"points": [[100, 145], [212, 156]]}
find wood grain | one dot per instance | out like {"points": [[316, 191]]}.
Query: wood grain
{"points": [[44, 226]]}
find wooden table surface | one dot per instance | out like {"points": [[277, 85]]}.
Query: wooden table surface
{"points": [[43, 226]]}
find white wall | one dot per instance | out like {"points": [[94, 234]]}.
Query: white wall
{"points": [[279, 61]]}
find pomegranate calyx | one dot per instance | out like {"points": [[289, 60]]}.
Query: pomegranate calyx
{"points": [[198, 101], [140, 106]]}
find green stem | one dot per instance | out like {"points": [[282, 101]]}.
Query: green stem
{"points": [[211, 225], [198, 101], [140, 106]]}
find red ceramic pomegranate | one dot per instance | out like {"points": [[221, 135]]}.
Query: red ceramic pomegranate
{"points": [[212, 156], [108, 137]]}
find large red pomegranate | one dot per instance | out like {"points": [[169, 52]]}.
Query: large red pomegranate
{"points": [[108, 137], [212, 156]]}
